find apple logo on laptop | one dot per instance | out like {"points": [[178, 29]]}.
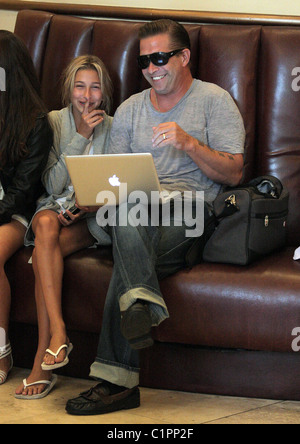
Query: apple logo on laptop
{"points": [[114, 181]]}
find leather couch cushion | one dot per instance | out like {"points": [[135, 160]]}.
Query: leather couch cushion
{"points": [[254, 307]]}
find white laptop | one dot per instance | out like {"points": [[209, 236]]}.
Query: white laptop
{"points": [[92, 174]]}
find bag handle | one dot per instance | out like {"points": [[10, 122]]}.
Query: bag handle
{"points": [[268, 185]]}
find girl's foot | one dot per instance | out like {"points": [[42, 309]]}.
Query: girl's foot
{"points": [[35, 389], [57, 354]]}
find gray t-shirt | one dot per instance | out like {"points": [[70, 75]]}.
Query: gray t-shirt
{"points": [[206, 112]]}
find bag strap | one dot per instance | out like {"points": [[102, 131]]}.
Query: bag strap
{"points": [[230, 208]]}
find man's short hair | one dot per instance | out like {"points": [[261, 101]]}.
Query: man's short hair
{"points": [[178, 34]]}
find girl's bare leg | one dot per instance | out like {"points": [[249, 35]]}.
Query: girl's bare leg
{"points": [[71, 239], [11, 239], [49, 267], [37, 374]]}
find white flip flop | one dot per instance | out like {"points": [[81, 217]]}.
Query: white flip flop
{"points": [[58, 364], [4, 352], [50, 385]]}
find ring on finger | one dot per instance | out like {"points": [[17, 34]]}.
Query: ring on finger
{"points": [[164, 136]]}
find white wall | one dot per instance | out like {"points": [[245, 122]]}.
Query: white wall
{"points": [[287, 7], [7, 20], [278, 7]]}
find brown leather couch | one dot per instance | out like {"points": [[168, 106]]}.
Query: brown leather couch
{"points": [[230, 327]]}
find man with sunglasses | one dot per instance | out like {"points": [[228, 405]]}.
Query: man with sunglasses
{"points": [[196, 135]]}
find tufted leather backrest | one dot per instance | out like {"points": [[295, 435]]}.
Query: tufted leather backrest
{"points": [[254, 63], [228, 57], [34, 28], [278, 141], [116, 43]]}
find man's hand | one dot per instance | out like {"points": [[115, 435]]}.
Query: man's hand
{"points": [[221, 167], [170, 133]]}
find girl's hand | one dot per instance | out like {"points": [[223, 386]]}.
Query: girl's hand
{"points": [[72, 218], [89, 209], [89, 121]]}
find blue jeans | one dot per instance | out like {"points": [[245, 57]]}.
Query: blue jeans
{"points": [[142, 256]]}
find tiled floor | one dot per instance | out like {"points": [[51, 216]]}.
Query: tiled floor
{"points": [[158, 407]]}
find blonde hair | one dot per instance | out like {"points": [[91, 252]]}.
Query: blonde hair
{"points": [[87, 62]]}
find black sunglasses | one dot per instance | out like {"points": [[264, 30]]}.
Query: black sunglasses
{"points": [[157, 58]]}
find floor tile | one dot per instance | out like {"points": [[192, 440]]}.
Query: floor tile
{"points": [[278, 413], [157, 407]]}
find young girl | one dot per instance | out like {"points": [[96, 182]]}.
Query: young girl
{"points": [[25, 141], [82, 127]]}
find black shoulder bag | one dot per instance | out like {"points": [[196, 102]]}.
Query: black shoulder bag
{"points": [[250, 222]]}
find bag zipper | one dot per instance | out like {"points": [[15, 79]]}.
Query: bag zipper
{"points": [[268, 217]]}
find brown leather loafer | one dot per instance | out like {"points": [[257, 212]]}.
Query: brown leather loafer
{"points": [[98, 401], [136, 326]]}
